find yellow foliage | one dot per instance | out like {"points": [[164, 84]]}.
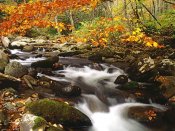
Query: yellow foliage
{"points": [[138, 36], [9, 9]]}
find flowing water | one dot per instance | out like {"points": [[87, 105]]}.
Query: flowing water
{"points": [[95, 83], [104, 118], [26, 58]]}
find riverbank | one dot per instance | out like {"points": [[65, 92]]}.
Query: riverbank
{"points": [[147, 76]]}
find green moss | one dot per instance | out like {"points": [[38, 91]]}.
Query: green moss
{"points": [[52, 128], [58, 112], [39, 122], [131, 85]]}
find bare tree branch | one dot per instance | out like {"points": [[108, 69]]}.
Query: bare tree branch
{"points": [[169, 2], [150, 13]]}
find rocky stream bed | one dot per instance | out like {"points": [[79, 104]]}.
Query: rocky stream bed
{"points": [[51, 86]]}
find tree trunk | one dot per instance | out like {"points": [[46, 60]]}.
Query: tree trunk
{"points": [[71, 19]]}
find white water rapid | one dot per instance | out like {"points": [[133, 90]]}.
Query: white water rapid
{"points": [[28, 57], [97, 82], [115, 119], [28, 61]]}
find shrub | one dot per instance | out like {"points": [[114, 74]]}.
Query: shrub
{"points": [[100, 31]]}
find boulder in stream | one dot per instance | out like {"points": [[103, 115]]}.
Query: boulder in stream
{"points": [[18, 44], [148, 115], [28, 48], [31, 122], [8, 81], [167, 85], [48, 63], [16, 69], [4, 59], [5, 41], [142, 69], [30, 81], [121, 79], [166, 67], [65, 89], [59, 112], [3, 119]]}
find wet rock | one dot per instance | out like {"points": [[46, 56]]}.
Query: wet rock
{"points": [[69, 53], [53, 128], [46, 71], [65, 89], [9, 81], [40, 41], [10, 106], [58, 66], [95, 57], [148, 115], [3, 119], [167, 85], [172, 100], [7, 51], [31, 122], [166, 67], [112, 69], [170, 116], [30, 81], [39, 122], [95, 105], [74, 61], [142, 69], [45, 84], [64, 47], [28, 48], [5, 41], [9, 94], [110, 60], [48, 63], [4, 59], [61, 113], [130, 85], [23, 39], [121, 79], [17, 44], [16, 69], [51, 54], [14, 56], [32, 72]]}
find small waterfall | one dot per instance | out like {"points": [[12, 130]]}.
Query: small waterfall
{"points": [[28, 61], [115, 119], [91, 77], [96, 84], [26, 58], [104, 118]]}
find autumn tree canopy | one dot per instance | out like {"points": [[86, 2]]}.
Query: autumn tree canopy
{"points": [[37, 13]]}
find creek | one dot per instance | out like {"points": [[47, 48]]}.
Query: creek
{"points": [[101, 99]]}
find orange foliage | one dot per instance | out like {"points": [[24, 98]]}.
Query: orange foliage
{"points": [[39, 13], [137, 36], [101, 31]]}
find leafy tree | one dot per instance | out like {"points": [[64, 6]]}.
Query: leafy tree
{"points": [[39, 13]]}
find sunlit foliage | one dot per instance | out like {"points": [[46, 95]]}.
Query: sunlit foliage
{"points": [[40, 13], [101, 31]]}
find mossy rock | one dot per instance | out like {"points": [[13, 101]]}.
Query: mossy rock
{"points": [[59, 112], [48, 63], [39, 122], [16, 69], [52, 128], [130, 85]]}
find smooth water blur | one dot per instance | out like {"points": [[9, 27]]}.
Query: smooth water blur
{"points": [[91, 77], [104, 117], [28, 61], [115, 119]]}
